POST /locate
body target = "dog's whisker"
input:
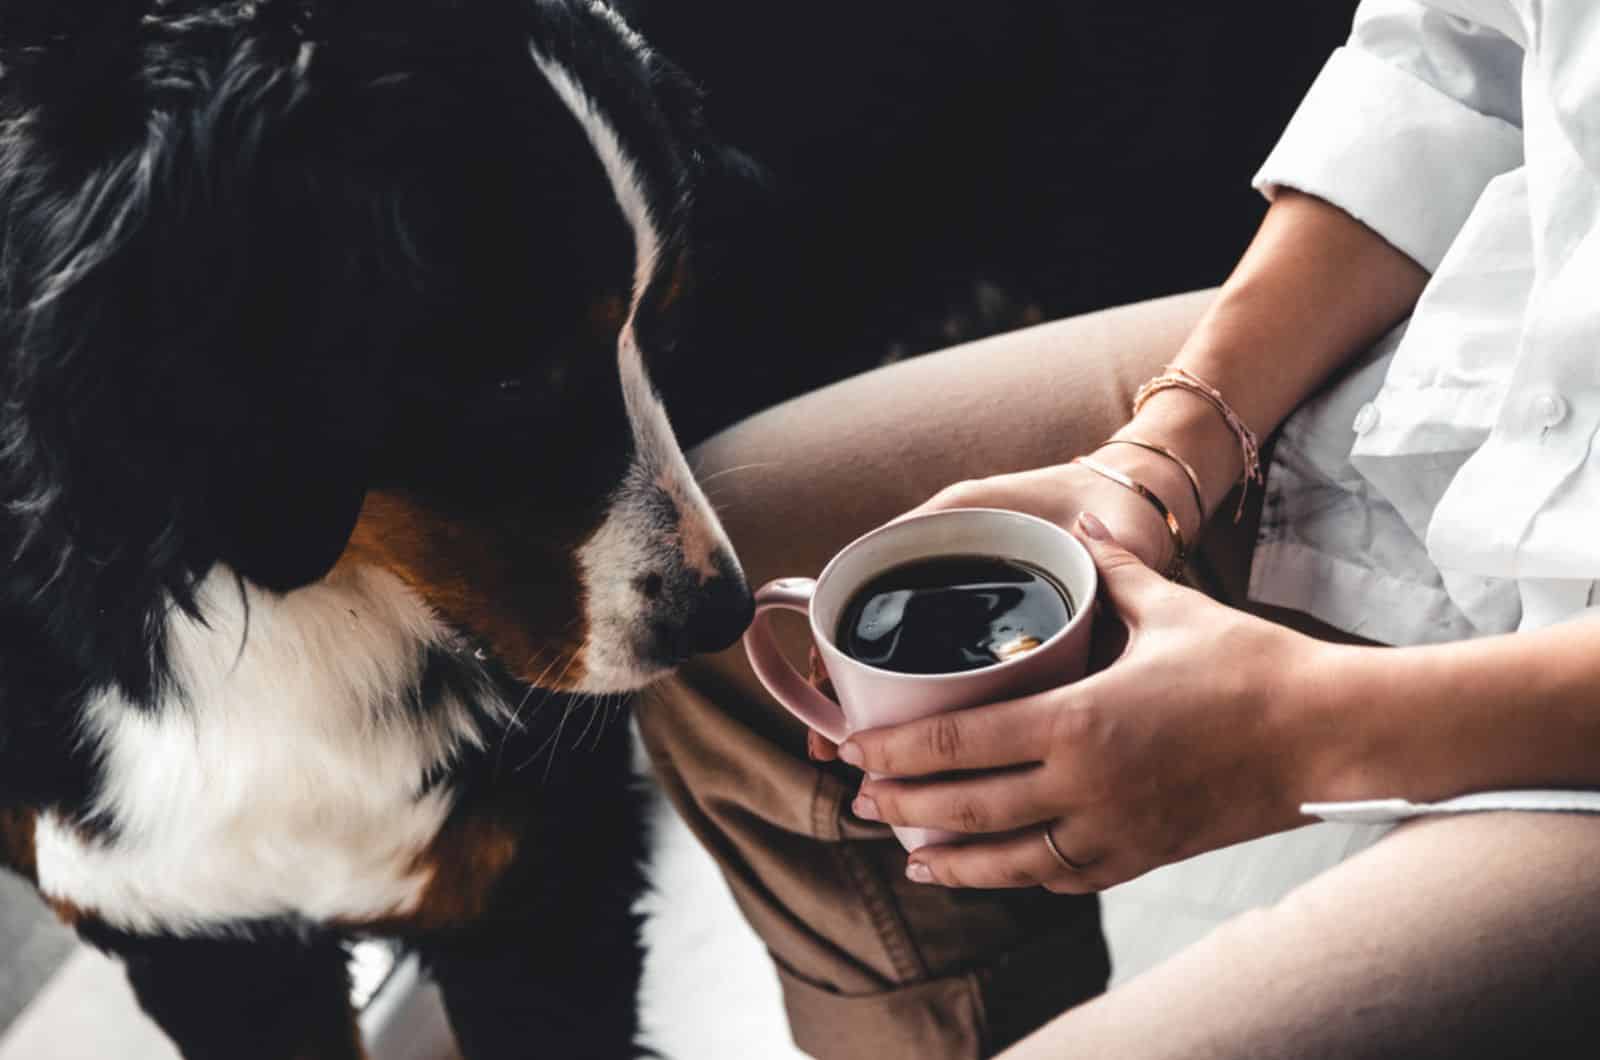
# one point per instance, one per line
(537, 751)
(549, 693)
(595, 711)
(723, 510)
(518, 722)
(549, 762)
(711, 495)
(515, 723)
(614, 708)
(537, 682)
(734, 470)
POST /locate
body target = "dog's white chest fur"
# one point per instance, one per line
(285, 779)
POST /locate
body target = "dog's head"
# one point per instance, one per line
(290, 285)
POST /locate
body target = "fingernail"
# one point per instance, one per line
(1093, 528)
(852, 754)
(866, 809)
(917, 872)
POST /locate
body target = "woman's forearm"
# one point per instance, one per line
(1515, 711)
(1314, 288)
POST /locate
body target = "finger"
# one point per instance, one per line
(1129, 584)
(1009, 862)
(819, 747)
(989, 802)
(1002, 734)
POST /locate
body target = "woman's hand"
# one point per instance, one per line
(1186, 743)
(1060, 494)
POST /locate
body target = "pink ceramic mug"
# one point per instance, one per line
(871, 698)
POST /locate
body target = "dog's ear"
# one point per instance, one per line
(284, 507)
(735, 191)
(287, 466)
(731, 189)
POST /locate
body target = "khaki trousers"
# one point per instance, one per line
(876, 968)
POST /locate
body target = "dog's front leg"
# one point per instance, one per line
(532, 994)
(283, 999)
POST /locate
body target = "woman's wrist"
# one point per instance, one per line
(1363, 717)
(1192, 428)
(1316, 712)
(1432, 722)
(1199, 441)
(1162, 478)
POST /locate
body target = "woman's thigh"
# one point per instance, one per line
(796, 483)
(1470, 936)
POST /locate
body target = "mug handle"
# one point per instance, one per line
(774, 671)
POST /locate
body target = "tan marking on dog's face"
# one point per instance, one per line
(698, 540)
(511, 580)
(17, 842)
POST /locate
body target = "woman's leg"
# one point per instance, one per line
(875, 967)
(1451, 938)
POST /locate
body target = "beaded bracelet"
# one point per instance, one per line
(1179, 551)
(1174, 378)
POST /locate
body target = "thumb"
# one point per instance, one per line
(1128, 581)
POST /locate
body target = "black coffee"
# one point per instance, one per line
(952, 613)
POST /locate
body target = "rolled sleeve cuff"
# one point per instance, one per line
(1392, 151)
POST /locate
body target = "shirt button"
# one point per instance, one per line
(1549, 409)
(1366, 419)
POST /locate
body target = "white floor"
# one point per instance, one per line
(710, 990)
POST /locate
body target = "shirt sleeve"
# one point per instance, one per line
(1406, 125)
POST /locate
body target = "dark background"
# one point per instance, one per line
(938, 170)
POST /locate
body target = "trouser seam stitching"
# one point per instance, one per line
(909, 966)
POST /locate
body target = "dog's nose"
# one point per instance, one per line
(722, 611)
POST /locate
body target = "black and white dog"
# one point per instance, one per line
(329, 437)
(337, 493)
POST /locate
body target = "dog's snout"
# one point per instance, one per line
(697, 616)
(722, 611)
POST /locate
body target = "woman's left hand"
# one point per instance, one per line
(1191, 740)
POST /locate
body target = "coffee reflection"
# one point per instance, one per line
(951, 614)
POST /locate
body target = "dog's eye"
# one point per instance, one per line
(509, 389)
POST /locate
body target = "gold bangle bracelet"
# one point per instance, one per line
(1175, 568)
(1183, 465)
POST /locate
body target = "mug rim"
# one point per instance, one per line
(1080, 614)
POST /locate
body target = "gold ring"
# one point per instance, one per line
(1055, 852)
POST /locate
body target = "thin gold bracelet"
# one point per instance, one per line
(1175, 568)
(1183, 465)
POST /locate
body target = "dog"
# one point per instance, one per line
(330, 454)
(342, 510)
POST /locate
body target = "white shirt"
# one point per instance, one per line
(1444, 487)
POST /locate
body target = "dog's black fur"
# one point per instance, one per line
(236, 300)
(238, 236)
